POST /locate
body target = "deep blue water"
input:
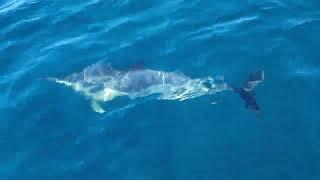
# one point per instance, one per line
(49, 132)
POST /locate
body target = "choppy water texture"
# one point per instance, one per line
(51, 132)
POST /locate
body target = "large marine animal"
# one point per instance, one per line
(101, 83)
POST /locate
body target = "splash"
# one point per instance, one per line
(102, 83)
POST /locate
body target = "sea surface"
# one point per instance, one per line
(49, 132)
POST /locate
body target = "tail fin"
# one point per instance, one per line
(246, 90)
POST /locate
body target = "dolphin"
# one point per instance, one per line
(101, 83)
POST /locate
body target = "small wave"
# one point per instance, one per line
(20, 23)
(306, 71)
(220, 28)
(11, 5)
(296, 69)
(118, 112)
(121, 3)
(154, 29)
(296, 22)
(65, 41)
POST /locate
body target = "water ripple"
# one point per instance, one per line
(220, 28)
(18, 25)
(10, 5)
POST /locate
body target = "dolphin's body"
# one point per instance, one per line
(101, 83)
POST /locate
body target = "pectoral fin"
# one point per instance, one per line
(97, 107)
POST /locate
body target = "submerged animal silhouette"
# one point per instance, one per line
(101, 83)
(246, 90)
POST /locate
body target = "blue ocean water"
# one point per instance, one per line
(49, 132)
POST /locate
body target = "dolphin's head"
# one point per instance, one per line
(93, 91)
(77, 86)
